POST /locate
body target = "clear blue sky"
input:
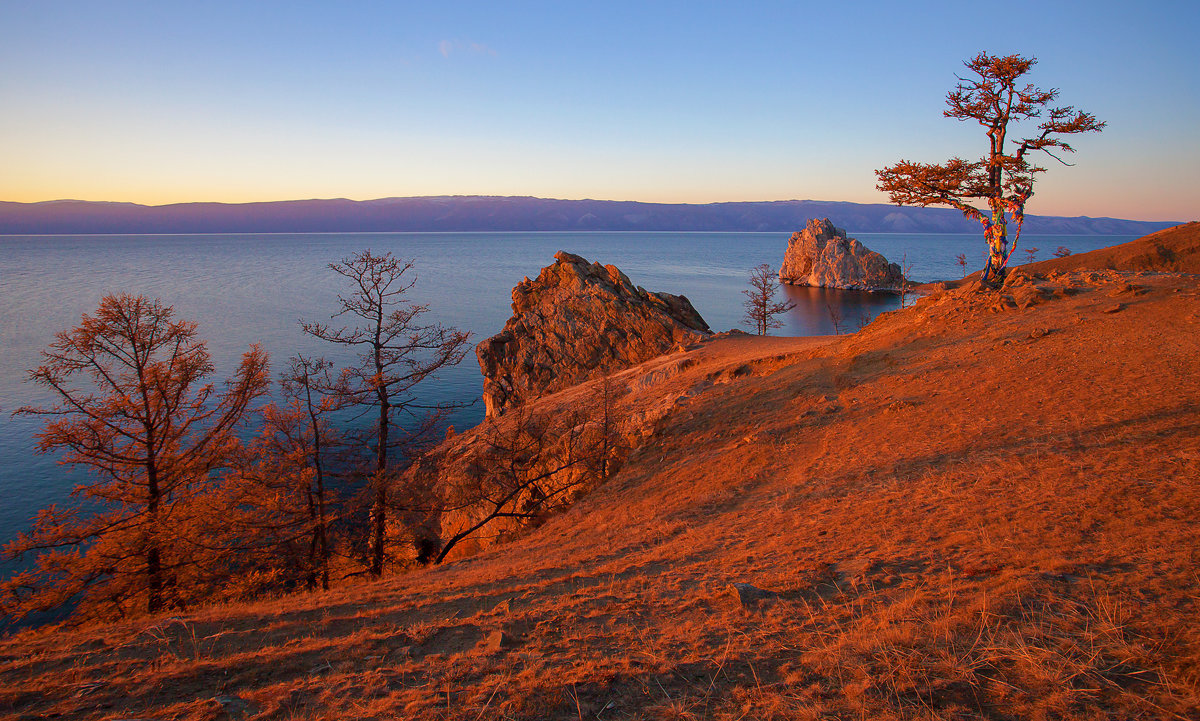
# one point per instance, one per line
(157, 102)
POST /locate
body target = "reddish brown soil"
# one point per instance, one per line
(983, 506)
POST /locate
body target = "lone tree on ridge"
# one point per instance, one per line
(761, 306)
(1002, 180)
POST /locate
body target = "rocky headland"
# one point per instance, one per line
(822, 256)
(576, 321)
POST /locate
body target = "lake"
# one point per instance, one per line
(254, 288)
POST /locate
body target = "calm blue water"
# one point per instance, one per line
(244, 289)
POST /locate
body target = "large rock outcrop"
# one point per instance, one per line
(822, 256)
(576, 321)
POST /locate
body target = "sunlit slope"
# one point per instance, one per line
(1174, 250)
(983, 505)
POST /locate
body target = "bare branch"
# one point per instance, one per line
(396, 352)
(761, 307)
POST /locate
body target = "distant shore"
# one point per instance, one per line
(511, 214)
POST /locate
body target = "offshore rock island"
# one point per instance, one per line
(822, 256)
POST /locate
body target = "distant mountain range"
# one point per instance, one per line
(491, 213)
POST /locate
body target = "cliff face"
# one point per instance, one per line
(577, 321)
(822, 256)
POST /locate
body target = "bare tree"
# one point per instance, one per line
(761, 306)
(529, 467)
(277, 512)
(835, 317)
(307, 383)
(133, 409)
(1003, 180)
(1062, 252)
(607, 441)
(1031, 254)
(396, 352)
(961, 259)
(905, 282)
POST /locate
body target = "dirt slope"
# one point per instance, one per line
(1174, 250)
(983, 506)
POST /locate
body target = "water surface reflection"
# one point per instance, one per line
(817, 308)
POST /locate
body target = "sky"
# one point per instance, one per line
(162, 102)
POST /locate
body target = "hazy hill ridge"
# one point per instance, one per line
(494, 213)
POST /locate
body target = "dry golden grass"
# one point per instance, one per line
(968, 510)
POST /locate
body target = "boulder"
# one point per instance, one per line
(822, 256)
(576, 321)
(748, 596)
(496, 641)
(232, 708)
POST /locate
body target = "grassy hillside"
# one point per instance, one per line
(1174, 250)
(985, 505)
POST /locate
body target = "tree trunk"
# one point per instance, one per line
(310, 580)
(997, 237)
(378, 527)
(379, 506)
(321, 535)
(154, 582)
